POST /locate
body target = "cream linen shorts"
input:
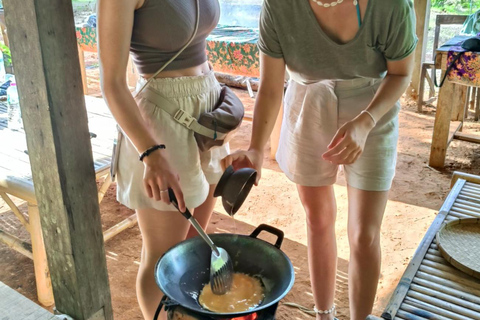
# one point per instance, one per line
(312, 115)
(197, 170)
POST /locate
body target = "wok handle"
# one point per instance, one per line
(160, 307)
(276, 232)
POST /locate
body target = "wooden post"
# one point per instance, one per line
(459, 102)
(441, 128)
(44, 49)
(81, 59)
(422, 13)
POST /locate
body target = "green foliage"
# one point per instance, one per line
(7, 56)
(456, 6)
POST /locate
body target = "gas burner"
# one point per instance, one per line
(177, 312)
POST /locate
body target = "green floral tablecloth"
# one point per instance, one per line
(87, 38)
(231, 50)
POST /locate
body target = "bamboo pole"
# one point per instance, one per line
(447, 283)
(469, 206)
(435, 258)
(450, 291)
(450, 276)
(472, 190)
(473, 181)
(466, 212)
(403, 315)
(103, 189)
(444, 267)
(469, 203)
(434, 252)
(472, 187)
(465, 176)
(42, 274)
(413, 308)
(16, 244)
(465, 307)
(455, 215)
(469, 197)
(461, 312)
(116, 229)
(15, 210)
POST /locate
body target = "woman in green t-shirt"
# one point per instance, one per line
(349, 62)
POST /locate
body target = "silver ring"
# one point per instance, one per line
(166, 190)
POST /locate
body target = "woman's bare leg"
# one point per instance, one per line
(203, 213)
(321, 209)
(365, 214)
(160, 231)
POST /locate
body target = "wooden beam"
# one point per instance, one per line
(467, 137)
(15, 210)
(465, 176)
(44, 48)
(459, 100)
(119, 227)
(16, 244)
(83, 70)
(441, 127)
(422, 13)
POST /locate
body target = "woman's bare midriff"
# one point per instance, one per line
(199, 70)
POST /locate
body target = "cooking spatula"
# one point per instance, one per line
(221, 266)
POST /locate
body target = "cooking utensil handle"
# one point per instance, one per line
(193, 222)
(276, 232)
(173, 200)
(205, 237)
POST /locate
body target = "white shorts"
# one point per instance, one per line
(313, 114)
(197, 170)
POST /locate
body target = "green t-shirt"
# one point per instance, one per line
(289, 30)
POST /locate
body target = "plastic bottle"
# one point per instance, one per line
(14, 113)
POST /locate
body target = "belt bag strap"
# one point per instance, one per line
(179, 115)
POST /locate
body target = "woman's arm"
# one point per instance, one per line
(115, 24)
(349, 141)
(269, 100)
(267, 106)
(392, 87)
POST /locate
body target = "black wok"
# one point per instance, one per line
(184, 270)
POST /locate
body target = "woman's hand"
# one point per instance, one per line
(245, 159)
(348, 143)
(159, 176)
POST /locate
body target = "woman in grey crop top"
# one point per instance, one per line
(349, 62)
(153, 31)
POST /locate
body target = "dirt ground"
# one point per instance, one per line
(417, 193)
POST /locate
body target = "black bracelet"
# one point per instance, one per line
(150, 150)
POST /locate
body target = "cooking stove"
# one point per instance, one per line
(177, 312)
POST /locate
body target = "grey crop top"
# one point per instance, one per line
(162, 27)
